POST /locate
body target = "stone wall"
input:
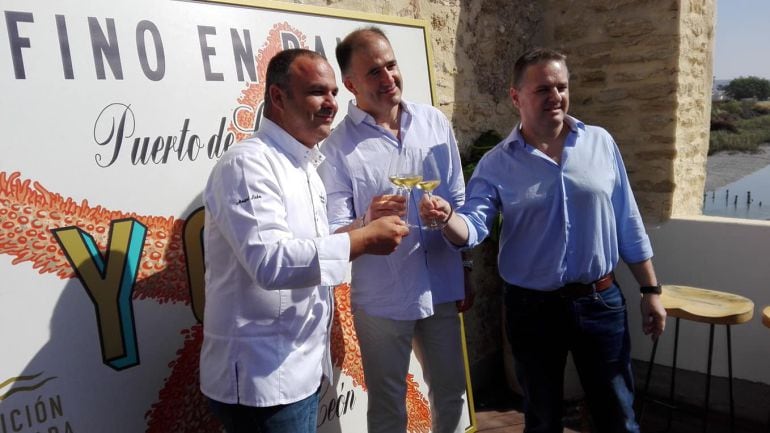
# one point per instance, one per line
(642, 69)
(696, 61)
(490, 35)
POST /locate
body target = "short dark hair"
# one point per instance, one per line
(352, 42)
(278, 70)
(533, 57)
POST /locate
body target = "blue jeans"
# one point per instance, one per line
(543, 327)
(297, 417)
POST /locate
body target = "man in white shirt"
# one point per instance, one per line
(413, 295)
(270, 260)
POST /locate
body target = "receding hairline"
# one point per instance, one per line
(356, 41)
(357, 37)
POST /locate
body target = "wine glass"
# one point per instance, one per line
(405, 171)
(431, 179)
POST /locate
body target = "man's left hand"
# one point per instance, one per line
(653, 315)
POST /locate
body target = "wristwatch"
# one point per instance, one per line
(468, 264)
(656, 289)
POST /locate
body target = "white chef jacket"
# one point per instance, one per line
(270, 265)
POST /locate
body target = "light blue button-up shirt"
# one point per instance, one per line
(422, 271)
(561, 223)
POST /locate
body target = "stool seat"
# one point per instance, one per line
(707, 306)
(766, 316)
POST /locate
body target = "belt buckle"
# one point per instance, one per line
(590, 289)
(576, 290)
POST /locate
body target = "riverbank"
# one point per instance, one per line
(726, 167)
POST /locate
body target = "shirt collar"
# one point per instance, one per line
(358, 115)
(516, 141)
(301, 153)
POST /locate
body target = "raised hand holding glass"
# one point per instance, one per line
(431, 179)
(405, 171)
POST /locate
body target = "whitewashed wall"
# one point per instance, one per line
(723, 254)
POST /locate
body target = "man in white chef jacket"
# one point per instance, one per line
(271, 262)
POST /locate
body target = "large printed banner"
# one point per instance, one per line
(112, 115)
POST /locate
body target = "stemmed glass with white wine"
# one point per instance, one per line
(405, 171)
(431, 179)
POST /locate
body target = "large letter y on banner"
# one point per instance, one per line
(109, 282)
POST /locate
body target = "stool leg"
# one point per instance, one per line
(647, 380)
(730, 374)
(673, 376)
(708, 378)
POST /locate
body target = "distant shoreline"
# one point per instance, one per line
(724, 168)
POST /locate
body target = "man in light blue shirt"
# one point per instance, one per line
(568, 216)
(410, 296)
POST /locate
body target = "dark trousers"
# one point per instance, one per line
(543, 327)
(297, 417)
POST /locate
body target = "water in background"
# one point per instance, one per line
(748, 198)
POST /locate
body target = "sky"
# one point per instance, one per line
(741, 46)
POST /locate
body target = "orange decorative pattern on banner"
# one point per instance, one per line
(346, 354)
(26, 217)
(181, 407)
(28, 213)
(417, 409)
(254, 93)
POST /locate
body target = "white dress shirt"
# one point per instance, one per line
(423, 271)
(270, 262)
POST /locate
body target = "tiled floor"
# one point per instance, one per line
(502, 421)
(499, 421)
(510, 420)
(500, 412)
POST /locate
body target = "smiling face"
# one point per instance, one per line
(307, 106)
(542, 97)
(373, 76)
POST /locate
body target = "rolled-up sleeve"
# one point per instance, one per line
(481, 206)
(633, 243)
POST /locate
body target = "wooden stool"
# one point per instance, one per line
(705, 306)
